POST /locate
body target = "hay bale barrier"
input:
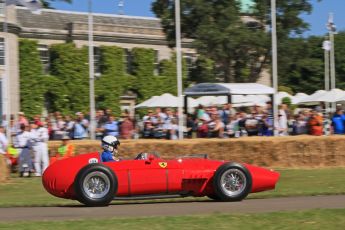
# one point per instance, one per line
(4, 171)
(286, 152)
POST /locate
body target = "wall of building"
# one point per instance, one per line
(12, 59)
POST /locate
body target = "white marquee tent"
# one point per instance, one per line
(313, 97)
(299, 97)
(166, 100)
(333, 95)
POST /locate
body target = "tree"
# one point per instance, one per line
(203, 71)
(219, 34)
(301, 65)
(285, 89)
(339, 44)
(289, 21)
(240, 51)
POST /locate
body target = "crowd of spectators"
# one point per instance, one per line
(228, 122)
(206, 122)
(76, 127)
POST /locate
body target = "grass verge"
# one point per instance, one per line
(293, 182)
(306, 220)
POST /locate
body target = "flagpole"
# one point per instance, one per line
(179, 67)
(91, 75)
(332, 62)
(326, 48)
(274, 64)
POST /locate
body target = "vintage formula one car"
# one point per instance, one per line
(94, 183)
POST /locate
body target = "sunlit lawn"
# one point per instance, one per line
(306, 220)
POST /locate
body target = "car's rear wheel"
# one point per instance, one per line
(232, 182)
(95, 185)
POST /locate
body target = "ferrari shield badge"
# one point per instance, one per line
(163, 164)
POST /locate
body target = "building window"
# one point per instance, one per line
(2, 51)
(128, 61)
(156, 63)
(97, 60)
(2, 7)
(44, 56)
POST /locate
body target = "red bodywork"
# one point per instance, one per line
(192, 176)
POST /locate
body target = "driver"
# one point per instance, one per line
(109, 145)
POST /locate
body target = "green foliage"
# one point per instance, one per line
(67, 88)
(301, 65)
(143, 70)
(110, 85)
(203, 71)
(286, 100)
(167, 82)
(167, 79)
(240, 51)
(282, 88)
(218, 34)
(339, 41)
(32, 86)
(289, 21)
(56, 94)
(70, 65)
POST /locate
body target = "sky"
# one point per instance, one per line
(317, 19)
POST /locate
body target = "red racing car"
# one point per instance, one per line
(94, 183)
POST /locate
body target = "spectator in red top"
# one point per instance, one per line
(127, 127)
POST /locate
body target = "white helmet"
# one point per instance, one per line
(110, 143)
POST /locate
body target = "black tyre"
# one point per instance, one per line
(232, 182)
(95, 185)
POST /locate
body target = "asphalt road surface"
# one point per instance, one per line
(172, 208)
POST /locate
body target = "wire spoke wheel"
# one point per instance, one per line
(96, 185)
(233, 182)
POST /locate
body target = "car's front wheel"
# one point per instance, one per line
(232, 182)
(95, 185)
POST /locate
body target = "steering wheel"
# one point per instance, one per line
(142, 156)
(145, 156)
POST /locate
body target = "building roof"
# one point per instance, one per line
(228, 89)
(58, 20)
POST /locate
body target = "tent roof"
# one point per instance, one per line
(203, 89)
(333, 95)
(312, 98)
(166, 100)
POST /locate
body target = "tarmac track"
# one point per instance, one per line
(172, 208)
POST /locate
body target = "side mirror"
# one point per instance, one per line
(151, 157)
